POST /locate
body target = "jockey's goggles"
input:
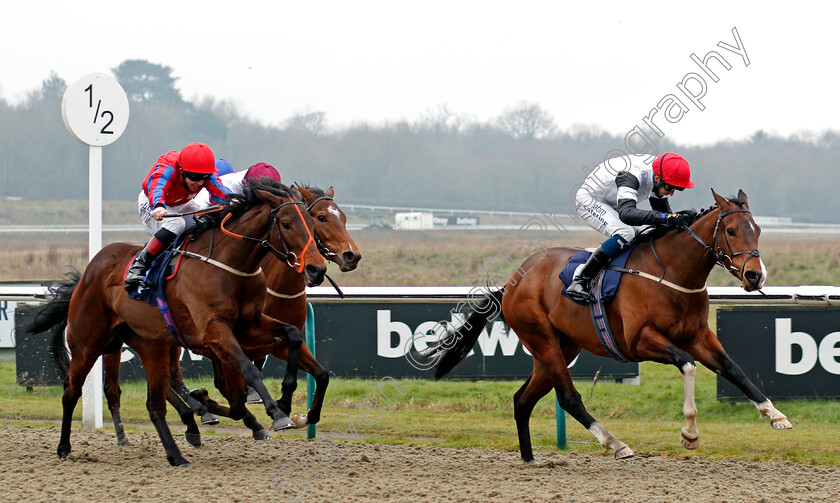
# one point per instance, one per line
(198, 177)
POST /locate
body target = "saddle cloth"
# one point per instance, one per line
(611, 278)
(162, 269)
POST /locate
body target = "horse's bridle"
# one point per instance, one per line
(322, 249)
(717, 251)
(290, 257)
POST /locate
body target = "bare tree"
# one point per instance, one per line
(50, 94)
(308, 121)
(441, 120)
(527, 120)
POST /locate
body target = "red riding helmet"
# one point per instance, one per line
(260, 170)
(198, 158)
(673, 170)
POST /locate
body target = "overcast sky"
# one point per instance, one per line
(607, 63)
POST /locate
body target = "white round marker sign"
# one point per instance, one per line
(95, 109)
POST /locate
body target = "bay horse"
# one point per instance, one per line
(286, 301)
(212, 300)
(664, 320)
(287, 294)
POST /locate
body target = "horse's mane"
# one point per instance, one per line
(315, 190)
(238, 204)
(656, 232)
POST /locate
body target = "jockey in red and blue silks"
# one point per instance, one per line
(170, 187)
(164, 185)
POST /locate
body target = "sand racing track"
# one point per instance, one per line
(236, 468)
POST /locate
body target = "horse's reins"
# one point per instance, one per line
(207, 259)
(326, 252)
(264, 242)
(298, 263)
(716, 252)
(323, 250)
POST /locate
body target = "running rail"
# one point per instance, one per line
(809, 295)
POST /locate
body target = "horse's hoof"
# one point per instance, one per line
(63, 451)
(283, 423)
(209, 419)
(253, 396)
(194, 439)
(178, 462)
(123, 442)
(624, 453)
(261, 435)
(781, 423)
(300, 420)
(689, 443)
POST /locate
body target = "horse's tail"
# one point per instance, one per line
(457, 344)
(53, 316)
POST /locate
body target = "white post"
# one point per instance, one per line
(95, 111)
(92, 389)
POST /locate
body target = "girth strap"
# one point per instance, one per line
(599, 319)
(169, 321)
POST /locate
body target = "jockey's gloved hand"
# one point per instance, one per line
(679, 219)
(690, 212)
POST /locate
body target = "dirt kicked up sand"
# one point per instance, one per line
(236, 468)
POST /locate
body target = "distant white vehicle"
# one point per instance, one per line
(414, 221)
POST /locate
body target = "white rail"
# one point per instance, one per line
(809, 295)
(795, 295)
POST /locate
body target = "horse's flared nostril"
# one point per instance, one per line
(753, 279)
(315, 274)
(351, 258)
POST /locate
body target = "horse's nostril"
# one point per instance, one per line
(350, 257)
(753, 277)
(314, 274)
(312, 270)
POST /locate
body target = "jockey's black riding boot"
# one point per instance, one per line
(579, 288)
(159, 242)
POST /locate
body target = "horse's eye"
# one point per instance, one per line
(322, 218)
(730, 231)
(287, 225)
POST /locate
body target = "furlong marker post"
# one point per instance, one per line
(95, 111)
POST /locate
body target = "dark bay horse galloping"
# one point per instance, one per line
(286, 301)
(218, 294)
(287, 295)
(663, 321)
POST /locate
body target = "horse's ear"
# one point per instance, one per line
(264, 195)
(721, 201)
(742, 196)
(308, 196)
(330, 192)
(295, 190)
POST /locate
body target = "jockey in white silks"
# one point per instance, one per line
(607, 202)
